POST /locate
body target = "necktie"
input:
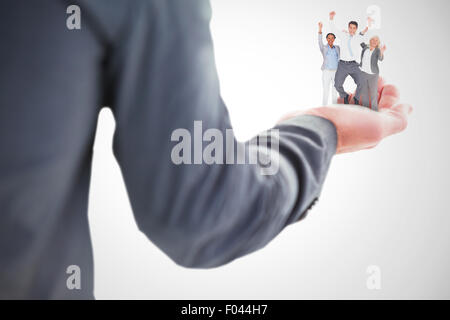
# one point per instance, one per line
(350, 46)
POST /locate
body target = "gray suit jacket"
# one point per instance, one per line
(324, 50)
(376, 56)
(152, 63)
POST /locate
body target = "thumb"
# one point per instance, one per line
(395, 119)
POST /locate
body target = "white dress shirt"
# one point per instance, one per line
(367, 61)
(350, 45)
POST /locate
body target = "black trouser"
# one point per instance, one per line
(345, 69)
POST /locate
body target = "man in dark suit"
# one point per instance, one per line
(152, 63)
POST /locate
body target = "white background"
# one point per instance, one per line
(386, 207)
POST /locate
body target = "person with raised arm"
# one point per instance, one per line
(370, 56)
(330, 54)
(349, 58)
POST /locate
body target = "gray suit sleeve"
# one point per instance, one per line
(200, 215)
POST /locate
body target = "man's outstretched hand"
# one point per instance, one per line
(360, 128)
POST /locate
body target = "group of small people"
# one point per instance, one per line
(353, 58)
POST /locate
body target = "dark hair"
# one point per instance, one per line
(331, 34)
(353, 23)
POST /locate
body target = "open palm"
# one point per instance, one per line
(360, 128)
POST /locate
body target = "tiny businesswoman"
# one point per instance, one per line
(370, 56)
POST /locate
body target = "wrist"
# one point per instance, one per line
(314, 120)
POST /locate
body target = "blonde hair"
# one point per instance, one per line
(379, 41)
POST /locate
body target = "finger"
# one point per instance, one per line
(350, 98)
(353, 149)
(395, 119)
(402, 109)
(381, 84)
(389, 97)
(360, 99)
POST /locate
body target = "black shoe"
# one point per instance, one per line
(346, 100)
(356, 101)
